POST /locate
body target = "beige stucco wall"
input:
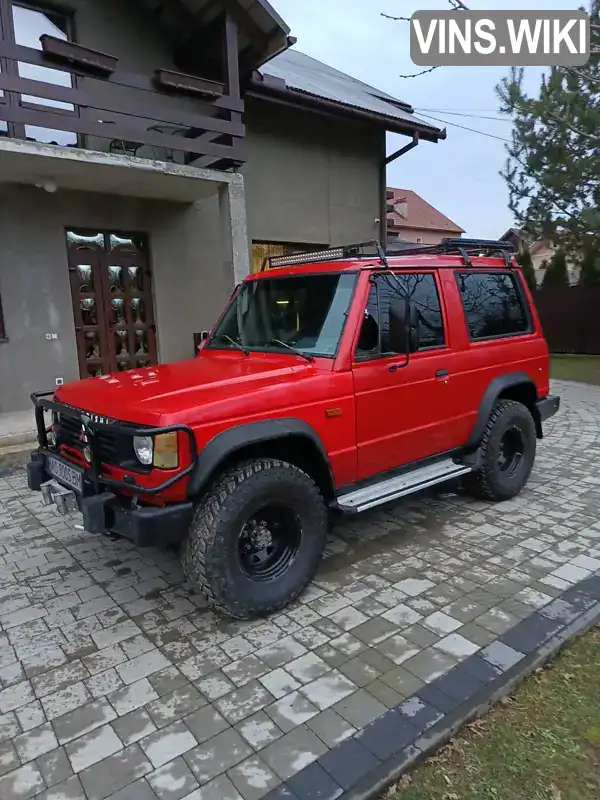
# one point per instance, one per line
(310, 178)
(190, 280)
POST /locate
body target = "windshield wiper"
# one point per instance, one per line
(239, 346)
(278, 342)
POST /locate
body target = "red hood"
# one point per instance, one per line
(163, 394)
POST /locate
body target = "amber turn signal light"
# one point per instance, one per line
(166, 451)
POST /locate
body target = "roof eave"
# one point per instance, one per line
(304, 99)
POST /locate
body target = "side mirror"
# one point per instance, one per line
(404, 326)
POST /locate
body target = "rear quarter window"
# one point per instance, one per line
(494, 305)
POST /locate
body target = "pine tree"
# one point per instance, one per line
(590, 267)
(553, 167)
(523, 259)
(557, 273)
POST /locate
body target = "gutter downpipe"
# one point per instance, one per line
(383, 179)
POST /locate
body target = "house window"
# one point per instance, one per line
(419, 241)
(30, 22)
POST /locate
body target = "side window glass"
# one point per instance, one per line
(368, 342)
(493, 305)
(423, 294)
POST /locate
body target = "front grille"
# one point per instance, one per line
(113, 448)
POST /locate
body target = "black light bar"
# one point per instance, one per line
(330, 254)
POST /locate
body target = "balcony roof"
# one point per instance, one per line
(262, 33)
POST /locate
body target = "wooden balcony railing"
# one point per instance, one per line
(166, 115)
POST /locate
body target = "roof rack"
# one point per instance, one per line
(466, 248)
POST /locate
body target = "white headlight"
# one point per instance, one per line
(143, 447)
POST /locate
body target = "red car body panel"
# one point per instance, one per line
(369, 418)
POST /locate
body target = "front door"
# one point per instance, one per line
(111, 290)
(402, 410)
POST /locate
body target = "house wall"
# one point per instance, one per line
(310, 178)
(189, 280)
(426, 236)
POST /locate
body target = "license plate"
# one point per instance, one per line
(65, 473)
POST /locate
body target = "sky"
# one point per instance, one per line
(460, 175)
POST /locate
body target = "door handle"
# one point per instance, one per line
(441, 373)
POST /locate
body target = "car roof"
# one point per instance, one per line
(430, 261)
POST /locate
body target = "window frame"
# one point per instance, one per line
(373, 280)
(517, 283)
(11, 67)
(3, 336)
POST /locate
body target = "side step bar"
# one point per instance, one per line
(401, 485)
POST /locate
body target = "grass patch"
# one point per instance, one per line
(541, 744)
(585, 369)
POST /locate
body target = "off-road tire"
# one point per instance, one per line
(210, 558)
(489, 482)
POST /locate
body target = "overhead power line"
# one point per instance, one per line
(465, 128)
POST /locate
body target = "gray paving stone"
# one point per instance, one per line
(9, 759)
(55, 766)
(330, 727)
(65, 700)
(35, 742)
(328, 690)
(82, 720)
(9, 726)
(71, 789)
(59, 678)
(168, 743)
(253, 778)
(167, 681)
(175, 705)
(205, 723)
(172, 781)
(131, 697)
(134, 726)
(141, 666)
(220, 788)
(245, 670)
(293, 752)
(244, 702)
(21, 783)
(106, 777)
(291, 711)
(16, 697)
(211, 759)
(429, 664)
(139, 790)
(259, 730)
(360, 708)
(92, 747)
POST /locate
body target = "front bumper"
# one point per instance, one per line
(145, 526)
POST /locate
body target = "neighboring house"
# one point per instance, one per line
(149, 148)
(541, 251)
(414, 219)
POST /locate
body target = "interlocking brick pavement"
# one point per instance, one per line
(116, 682)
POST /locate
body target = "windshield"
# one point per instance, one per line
(306, 313)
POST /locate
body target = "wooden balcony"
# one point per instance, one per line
(91, 103)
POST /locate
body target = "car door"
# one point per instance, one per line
(400, 407)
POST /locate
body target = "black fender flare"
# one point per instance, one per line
(226, 443)
(491, 395)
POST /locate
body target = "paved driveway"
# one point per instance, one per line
(116, 682)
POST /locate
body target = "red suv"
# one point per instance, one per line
(338, 380)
